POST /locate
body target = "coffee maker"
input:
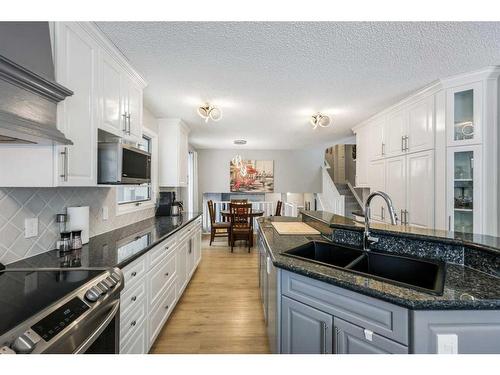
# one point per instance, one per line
(167, 205)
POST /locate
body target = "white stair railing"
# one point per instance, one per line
(291, 209)
(330, 198)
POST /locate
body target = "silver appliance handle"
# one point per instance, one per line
(128, 121)
(90, 340)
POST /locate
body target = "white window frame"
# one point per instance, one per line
(126, 208)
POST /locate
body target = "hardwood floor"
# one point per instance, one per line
(220, 311)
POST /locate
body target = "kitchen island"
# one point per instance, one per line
(322, 309)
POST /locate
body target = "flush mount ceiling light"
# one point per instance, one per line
(209, 112)
(319, 119)
(240, 142)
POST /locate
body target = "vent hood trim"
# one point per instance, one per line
(26, 79)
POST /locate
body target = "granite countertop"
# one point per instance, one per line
(116, 248)
(483, 242)
(464, 288)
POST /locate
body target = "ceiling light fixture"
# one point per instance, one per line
(240, 142)
(319, 119)
(209, 112)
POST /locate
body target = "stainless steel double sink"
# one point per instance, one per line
(422, 275)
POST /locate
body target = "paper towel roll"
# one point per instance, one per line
(78, 219)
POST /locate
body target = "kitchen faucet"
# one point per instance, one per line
(367, 238)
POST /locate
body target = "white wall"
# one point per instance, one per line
(294, 170)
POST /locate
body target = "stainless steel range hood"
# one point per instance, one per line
(28, 91)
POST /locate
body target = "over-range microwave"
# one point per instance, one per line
(120, 163)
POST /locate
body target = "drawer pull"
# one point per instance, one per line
(166, 307)
(134, 298)
(133, 323)
(167, 274)
(133, 274)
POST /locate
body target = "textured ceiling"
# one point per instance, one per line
(269, 77)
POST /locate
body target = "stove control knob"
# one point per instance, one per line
(110, 282)
(104, 288)
(6, 350)
(25, 343)
(115, 277)
(92, 295)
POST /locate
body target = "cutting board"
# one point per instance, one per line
(294, 228)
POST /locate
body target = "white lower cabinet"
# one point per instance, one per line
(153, 285)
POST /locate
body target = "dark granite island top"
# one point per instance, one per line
(465, 288)
(116, 248)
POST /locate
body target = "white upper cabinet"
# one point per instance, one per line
(173, 152)
(376, 146)
(395, 131)
(121, 101)
(420, 132)
(362, 158)
(464, 105)
(76, 68)
(134, 112)
(112, 119)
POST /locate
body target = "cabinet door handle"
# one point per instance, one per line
(124, 115)
(402, 143)
(65, 173)
(383, 148)
(325, 329)
(402, 217)
(166, 307)
(382, 213)
(406, 143)
(167, 274)
(337, 342)
(133, 274)
(133, 298)
(406, 217)
(128, 121)
(449, 223)
(133, 323)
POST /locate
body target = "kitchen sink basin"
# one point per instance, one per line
(325, 253)
(422, 275)
(426, 276)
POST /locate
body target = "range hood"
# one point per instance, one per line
(28, 91)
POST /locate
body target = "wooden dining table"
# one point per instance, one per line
(226, 215)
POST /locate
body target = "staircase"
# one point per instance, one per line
(350, 203)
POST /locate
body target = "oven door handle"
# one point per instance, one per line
(90, 340)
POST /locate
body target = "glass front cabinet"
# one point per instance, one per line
(464, 114)
(464, 204)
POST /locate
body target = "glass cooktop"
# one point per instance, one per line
(23, 294)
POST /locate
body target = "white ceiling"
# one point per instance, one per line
(268, 78)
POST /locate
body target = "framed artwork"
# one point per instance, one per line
(251, 176)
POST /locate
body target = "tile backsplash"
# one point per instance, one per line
(18, 204)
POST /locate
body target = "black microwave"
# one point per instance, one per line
(120, 163)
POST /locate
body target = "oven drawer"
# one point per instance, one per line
(160, 313)
(136, 343)
(160, 278)
(131, 320)
(134, 296)
(133, 272)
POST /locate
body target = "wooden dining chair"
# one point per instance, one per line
(217, 229)
(279, 204)
(241, 224)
